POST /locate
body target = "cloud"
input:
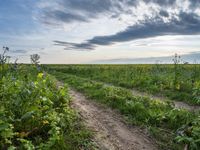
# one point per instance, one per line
(59, 12)
(56, 12)
(183, 24)
(57, 16)
(88, 6)
(18, 51)
(162, 2)
(146, 18)
(194, 3)
(71, 46)
(68, 11)
(164, 13)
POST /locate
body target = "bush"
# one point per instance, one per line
(35, 114)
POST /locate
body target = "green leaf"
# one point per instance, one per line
(4, 126)
(12, 148)
(27, 115)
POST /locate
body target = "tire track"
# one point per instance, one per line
(111, 133)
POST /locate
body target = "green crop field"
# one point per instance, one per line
(178, 82)
(112, 84)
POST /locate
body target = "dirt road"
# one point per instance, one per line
(111, 133)
(177, 104)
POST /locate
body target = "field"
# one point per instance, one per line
(112, 85)
(178, 82)
(37, 111)
(100, 75)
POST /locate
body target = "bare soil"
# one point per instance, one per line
(177, 104)
(111, 132)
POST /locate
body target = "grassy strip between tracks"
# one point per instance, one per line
(172, 128)
(177, 82)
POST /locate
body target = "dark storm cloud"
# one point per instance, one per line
(73, 11)
(94, 6)
(71, 46)
(84, 10)
(164, 13)
(57, 16)
(161, 22)
(194, 3)
(161, 2)
(186, 24)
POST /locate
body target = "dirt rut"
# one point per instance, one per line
(111, 133)
(177, 104)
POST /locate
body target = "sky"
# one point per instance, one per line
(100, 31)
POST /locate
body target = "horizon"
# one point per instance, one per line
(101, 31)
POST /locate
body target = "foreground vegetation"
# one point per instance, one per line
(35, 113)
(173, 128)
(178, 81)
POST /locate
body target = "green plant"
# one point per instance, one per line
(190, 135)
(196, 92)
(177, 72)
(35, 113)
(157, 115)
(155, 79)
(35, 59)
(3, 60)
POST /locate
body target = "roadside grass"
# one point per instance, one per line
(36, 114)
(165, 123)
